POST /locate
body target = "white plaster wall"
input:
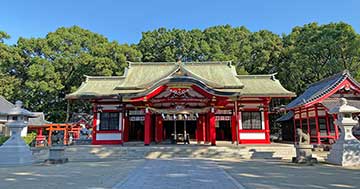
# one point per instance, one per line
(252, 136)
(108, 136)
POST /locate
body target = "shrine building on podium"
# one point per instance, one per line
(169, 101)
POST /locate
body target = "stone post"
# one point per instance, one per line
(346, 150)
(14, 151)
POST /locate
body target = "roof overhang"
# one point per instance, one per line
(183, 80)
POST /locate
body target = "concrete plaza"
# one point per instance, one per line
(175, 172)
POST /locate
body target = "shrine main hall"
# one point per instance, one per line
(161, 102)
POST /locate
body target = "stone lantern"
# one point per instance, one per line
(346, 150)
(15, 151)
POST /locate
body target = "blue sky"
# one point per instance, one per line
(125, 20)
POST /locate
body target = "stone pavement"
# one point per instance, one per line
(278, 174)
(107, 171)
(74, 175)
(179, 173)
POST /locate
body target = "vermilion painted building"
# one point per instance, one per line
(309, 111)
(158, 102)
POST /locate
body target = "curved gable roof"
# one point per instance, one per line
(142, 75)
(217, 76)
(321, 88)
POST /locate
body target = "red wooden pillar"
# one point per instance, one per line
(200, 129)
(308, 121)
(158, 129)
(212, 129)
(207, 128)
(267, 124)
(233, 128)
(317, 125)
(39, 131)
(147, 128)
(95, 118)
(204, 123)
(126, 128)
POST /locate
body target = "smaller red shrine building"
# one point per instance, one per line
(309, 111)
(157, 102)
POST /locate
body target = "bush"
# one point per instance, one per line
(28, 138)
(3, 139)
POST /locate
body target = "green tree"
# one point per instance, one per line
(212, 44)
(54, 66)
(9, 85)
(313, 52)
(264, 53)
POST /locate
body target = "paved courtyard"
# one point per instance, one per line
(277, 174)
(179, 173)
(74, 175)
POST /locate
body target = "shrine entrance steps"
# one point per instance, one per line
(137, 151)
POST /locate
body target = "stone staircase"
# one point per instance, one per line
(98, 152)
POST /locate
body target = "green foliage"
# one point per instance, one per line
(3, 139)
(48, 68)
(41, 71)
(211, 44)
(313, 52)
(30, 137)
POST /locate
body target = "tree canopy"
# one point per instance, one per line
(41, 71)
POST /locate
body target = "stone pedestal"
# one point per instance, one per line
(346, 150)
(57, 155)
(15, 151)
(304, 154)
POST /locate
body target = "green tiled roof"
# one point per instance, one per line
(97, 86)
(256, 85)
(215, 74)
(140, 77)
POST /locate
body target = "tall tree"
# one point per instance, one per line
(211, 44)
(313, 52)
(264, 49)
(54, 66)
(9, 85)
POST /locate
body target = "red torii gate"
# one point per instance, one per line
(67, 128)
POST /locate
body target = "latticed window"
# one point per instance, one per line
(251, 120)
(109, 121)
